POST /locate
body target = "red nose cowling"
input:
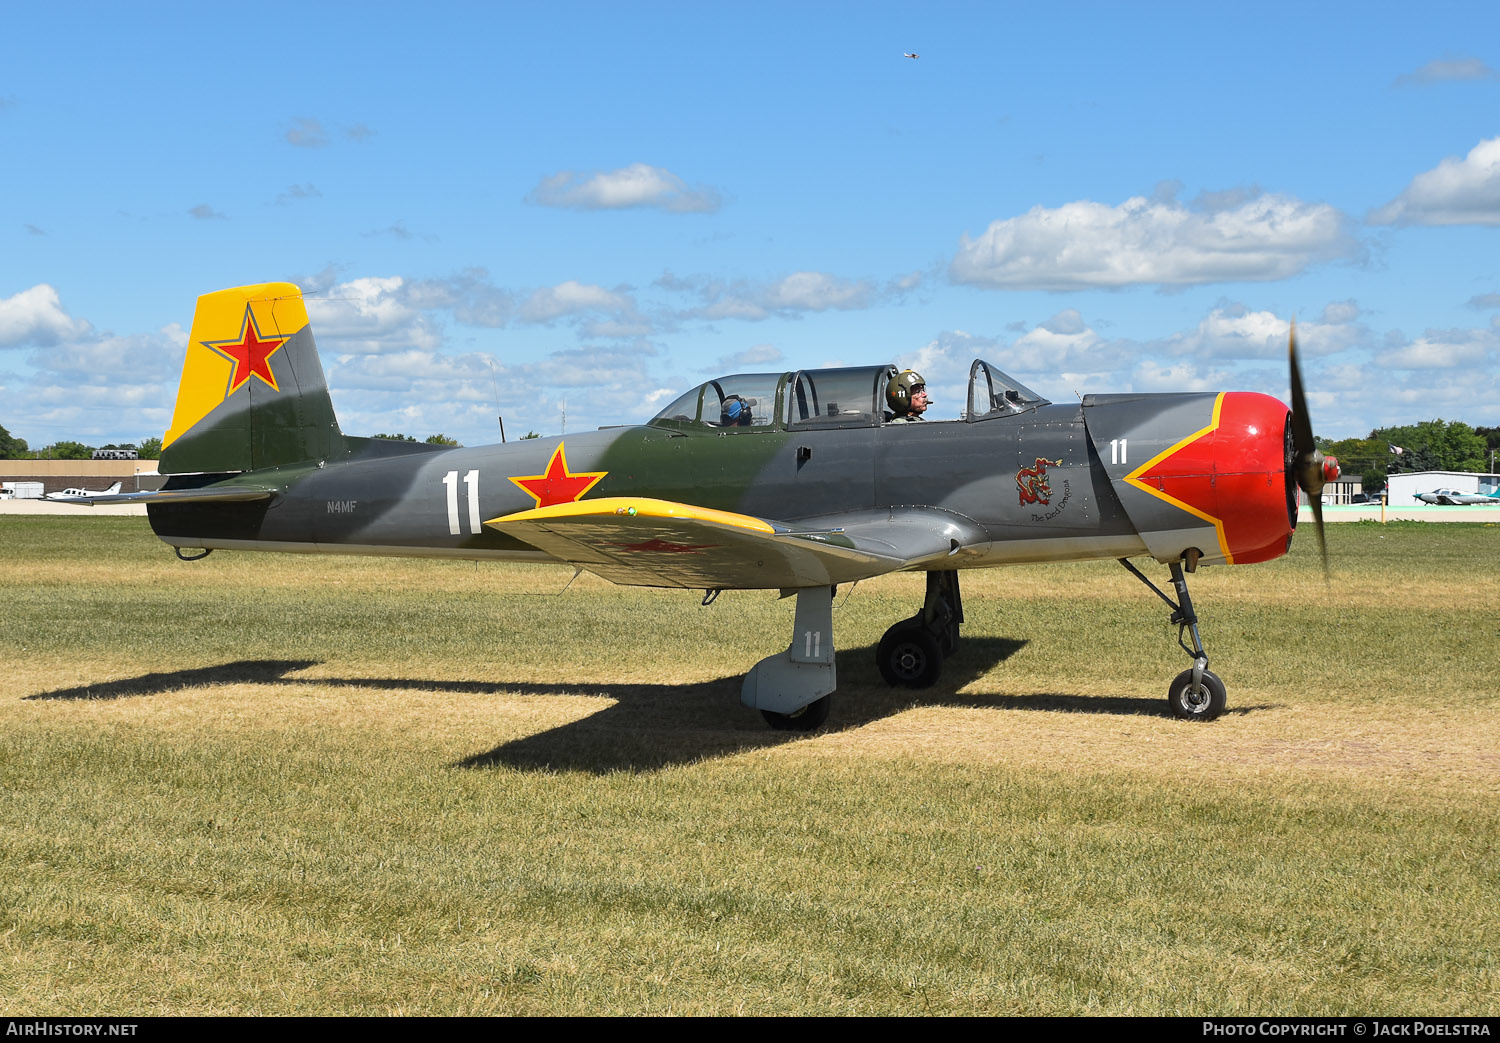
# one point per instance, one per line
(1236, 475)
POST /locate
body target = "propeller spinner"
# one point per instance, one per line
(1311, 468)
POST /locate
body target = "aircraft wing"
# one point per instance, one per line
(637, 541)
(209, 494)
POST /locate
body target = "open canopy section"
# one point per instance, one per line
(993, 394)
(851, 396)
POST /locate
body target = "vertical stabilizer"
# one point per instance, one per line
(252, 393)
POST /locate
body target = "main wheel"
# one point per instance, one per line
(1202, 702)
(807, 719)
(909, 656)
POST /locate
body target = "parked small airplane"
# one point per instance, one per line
(793, 481)
(83, 494)
(1453, 497)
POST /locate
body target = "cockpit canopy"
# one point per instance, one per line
(742, 400)
(836, 397)
(992, 393)
(819, 398)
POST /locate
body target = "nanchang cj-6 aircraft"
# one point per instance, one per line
(789, 481)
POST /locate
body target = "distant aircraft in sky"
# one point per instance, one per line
(1452, 497)
(73, 494)
(908, 54)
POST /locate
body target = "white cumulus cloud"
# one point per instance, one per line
(36, 317)
(1066, 353)
(416, 372)
(1085, 244)
(140, 358)
(1445, 349)
(638, 185)
(787, 297)
(1152, 376)
(1233, 331)
(572, 298)
(371, 316)
(815, 291)
(1455, 192)
(472, 297)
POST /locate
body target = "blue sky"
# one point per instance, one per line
(591, 207)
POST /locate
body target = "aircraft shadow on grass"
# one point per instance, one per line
(249, 671)
(653, 726)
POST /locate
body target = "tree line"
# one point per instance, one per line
(1432, 445)
(13, 448)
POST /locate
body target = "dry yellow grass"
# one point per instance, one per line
(286, 784)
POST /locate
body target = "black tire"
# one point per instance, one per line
(809, 718)
(909, 656)
(1204, 704)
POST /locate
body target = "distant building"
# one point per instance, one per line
(56, 475)
(1342, 490)
(116, 454)
(1402, 489)
(21, 490)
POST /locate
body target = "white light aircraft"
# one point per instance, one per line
(1453, 497)
(74, 494)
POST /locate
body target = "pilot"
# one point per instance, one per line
(735, 412)
(906, 394)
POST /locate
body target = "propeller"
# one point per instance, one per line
(1311, 468)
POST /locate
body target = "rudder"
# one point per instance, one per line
(253, 394)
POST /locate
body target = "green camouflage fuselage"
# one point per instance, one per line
(399, 498)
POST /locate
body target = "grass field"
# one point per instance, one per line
(287, 784)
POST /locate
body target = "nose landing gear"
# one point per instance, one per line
(1196, 694)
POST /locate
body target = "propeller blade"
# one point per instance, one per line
(1312, 469)
(1317, 506)
(1302, 433)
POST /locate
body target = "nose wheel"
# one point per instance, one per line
(1200, 699)
(1196, 694)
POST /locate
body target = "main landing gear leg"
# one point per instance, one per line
(1196, 694)
(911, 653)
(791, 689)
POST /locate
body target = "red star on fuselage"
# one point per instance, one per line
(250, 354)
(557, 484)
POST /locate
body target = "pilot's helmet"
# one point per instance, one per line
(900, 388)
(735, 412)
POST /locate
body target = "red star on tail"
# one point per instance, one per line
(250, 354)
